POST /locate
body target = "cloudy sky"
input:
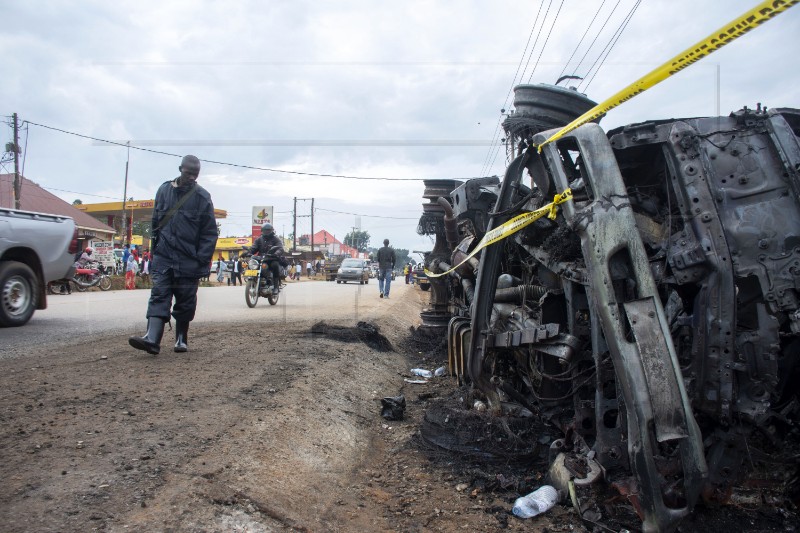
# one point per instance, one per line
(396, 92)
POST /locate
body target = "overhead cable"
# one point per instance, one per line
(510, 89)
(581, 41)
(615, 39)
(225, 163)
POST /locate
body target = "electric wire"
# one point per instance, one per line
(575, 70)
(510, 89)
(495, 150)
(619, 32)
(582, 38)
(552, 26)
(360, 215)
(225, 163)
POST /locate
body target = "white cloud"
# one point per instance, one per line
(215, 74)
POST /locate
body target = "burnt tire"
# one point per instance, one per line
(18, 293)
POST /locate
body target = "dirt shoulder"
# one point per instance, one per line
(273, 429)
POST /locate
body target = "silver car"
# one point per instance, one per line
(353, 270)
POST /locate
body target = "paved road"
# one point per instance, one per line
(122, 312)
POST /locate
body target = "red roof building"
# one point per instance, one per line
(35, 198)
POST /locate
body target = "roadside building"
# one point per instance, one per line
(36, 198)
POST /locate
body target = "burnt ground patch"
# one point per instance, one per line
(365, 332)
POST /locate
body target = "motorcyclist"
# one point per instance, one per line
(86, 257)
(264, 244)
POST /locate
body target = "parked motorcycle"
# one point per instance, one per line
(91, 275)
(256, 284)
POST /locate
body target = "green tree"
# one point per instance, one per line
(142, 227)
(77, 201)
(358, 240)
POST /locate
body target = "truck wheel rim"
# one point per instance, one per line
(16, 296)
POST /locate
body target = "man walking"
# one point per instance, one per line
(386, 260)
(184, 234)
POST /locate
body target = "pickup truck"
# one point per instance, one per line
(35, 248)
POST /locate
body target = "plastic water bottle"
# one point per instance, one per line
(537, 502)
(422, 372)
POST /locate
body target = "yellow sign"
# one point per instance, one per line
(511, 227)
(726, 34)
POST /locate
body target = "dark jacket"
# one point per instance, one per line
(185, 241)
(262, 245)
(386, 258)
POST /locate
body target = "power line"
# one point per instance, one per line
(510, 89)
(552, 26)
(225, 163)
(618, 34)
(575, 71)
(582, 38)
(360, 215)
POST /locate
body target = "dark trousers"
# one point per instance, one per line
(275, 268)
(234, 276)
(166, 286)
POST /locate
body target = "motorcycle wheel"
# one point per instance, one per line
(273, 298)
(251, 293)
(105, 283)
(78, 280)
(53, 287)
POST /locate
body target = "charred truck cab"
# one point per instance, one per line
(656, 321)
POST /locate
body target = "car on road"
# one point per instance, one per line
(353, 270)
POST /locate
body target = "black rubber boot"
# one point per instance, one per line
(151, 342)
(181, 336)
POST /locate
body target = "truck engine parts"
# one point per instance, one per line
(656, 320)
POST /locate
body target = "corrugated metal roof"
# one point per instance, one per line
(35, 198)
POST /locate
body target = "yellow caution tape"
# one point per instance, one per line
(726, 34)
(512, 226)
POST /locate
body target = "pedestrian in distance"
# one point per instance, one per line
(237, 266)
(145, 270)
(386, 259)
(126, 253)
(407, 272)
(184, 234)
(131, 269)
(220, 269)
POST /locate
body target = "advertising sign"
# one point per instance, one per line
(104, 253)
(261, 214)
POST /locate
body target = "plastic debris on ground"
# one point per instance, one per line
(393, 407)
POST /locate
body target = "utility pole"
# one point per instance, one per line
(312, 227)
(294, 226)
(125, 199)
(17, 187)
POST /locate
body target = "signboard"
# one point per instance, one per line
(104, 252)
(261, 215)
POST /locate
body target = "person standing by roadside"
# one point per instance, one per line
(126, 253)
(308, 269)
(236, 271)
(386, 260)
(145, 271)
(407, 271)
(131, 269)
(184, 234)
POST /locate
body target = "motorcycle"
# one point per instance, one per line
(91, 275)
(257, 285)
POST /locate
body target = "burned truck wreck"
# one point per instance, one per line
(655, 321)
